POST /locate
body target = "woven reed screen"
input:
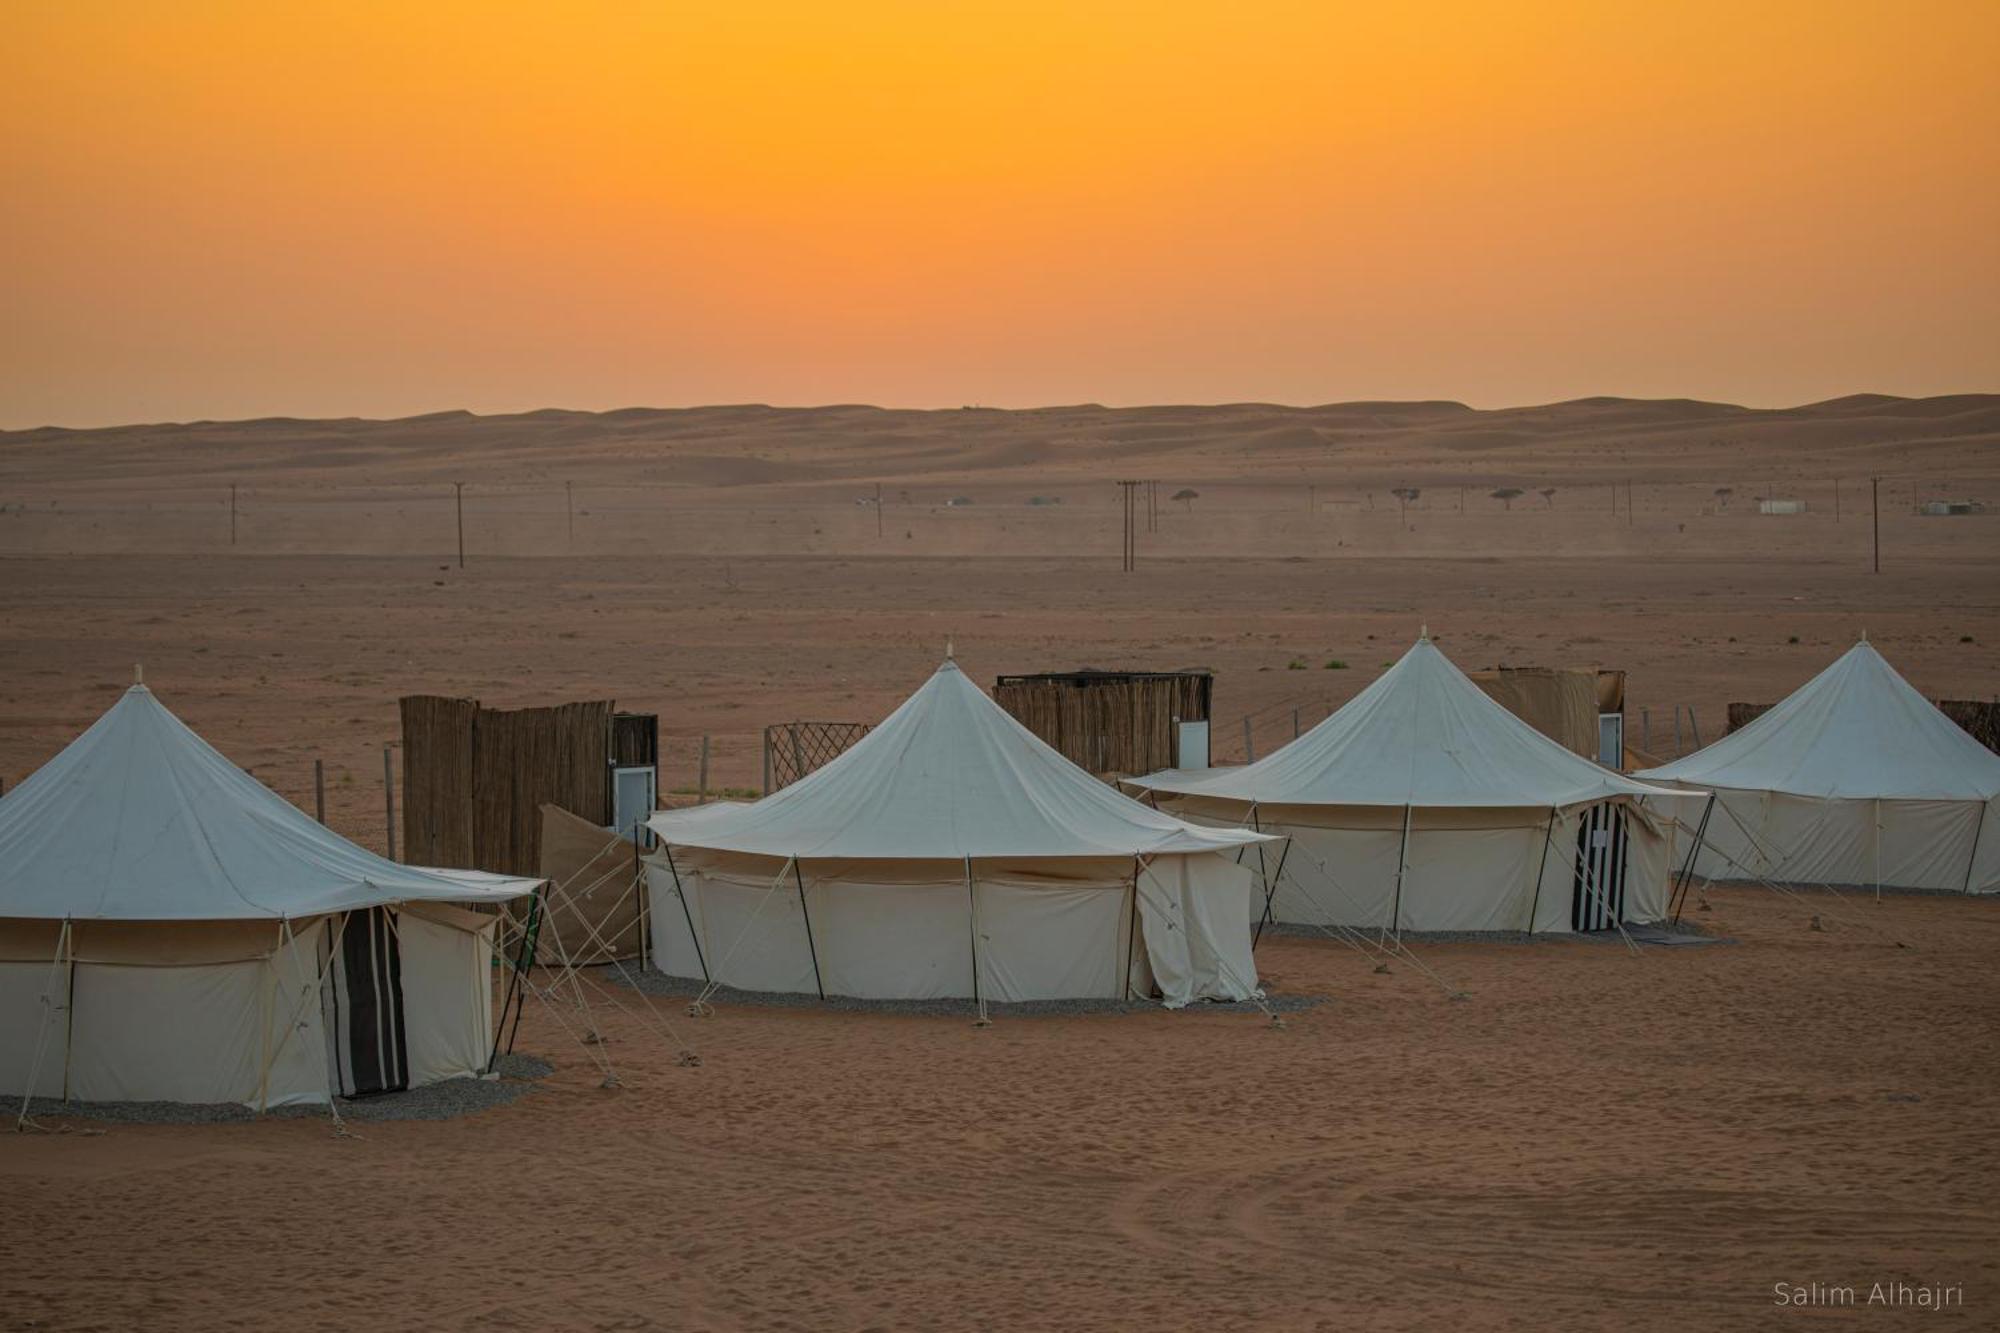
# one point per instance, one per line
(1109, 722)
(475, 779)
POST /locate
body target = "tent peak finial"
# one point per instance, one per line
(1424, 631)
(1864, 636)
(138, 673)
(949, 655)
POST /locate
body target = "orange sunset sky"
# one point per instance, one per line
(241, 209)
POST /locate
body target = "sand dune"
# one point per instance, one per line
(1652, 440)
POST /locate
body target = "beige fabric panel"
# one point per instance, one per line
(447, 997)
(1985, 876)
(1196, 912)
(23, 940)
(895, 929)
(890, 941)
(1803, 840)
(147, 943)
(34, 1008)
(1045, 942)
(1467, 869)
(297, 1048)
(183, 1034)
(590, 874)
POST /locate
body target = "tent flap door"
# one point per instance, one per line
(363, 998)
(1601, 853)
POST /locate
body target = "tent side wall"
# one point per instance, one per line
(1813, 840)
(447, 971)
(905, 930)
(223, 1012)
(1470, 869)
(207, 1012)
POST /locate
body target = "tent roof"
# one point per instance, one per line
(947, 775)
(1857, 730)
(140, 819)
(1421, 735)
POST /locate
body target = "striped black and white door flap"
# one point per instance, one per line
(363, 1007)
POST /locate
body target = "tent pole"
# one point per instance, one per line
(1972, 862)
(972, 907)
(1263, 871)
(21, 1121)
(1270, 884)
(1694, 850)
(1131, 934)
(644, 904)
(69, 1017)
(1541, 870)
(1402, 864)
(681, 894)
(266, 1057)
(1270, 893)
(1878, 851)
(531, 948)
(799, 878)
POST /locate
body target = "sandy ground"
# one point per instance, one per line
(1593, 1140)
(281, 659)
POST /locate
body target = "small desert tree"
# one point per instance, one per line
(1722, 494)
(1549, 493)
(1187, 496)
(1506, 495)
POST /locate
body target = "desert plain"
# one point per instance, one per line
(1591, 1139)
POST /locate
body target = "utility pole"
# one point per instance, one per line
(1875, 513)
(1129, 491)
(319, 790)
(232, 513)
(458, 488)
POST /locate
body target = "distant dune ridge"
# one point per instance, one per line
(755, 445)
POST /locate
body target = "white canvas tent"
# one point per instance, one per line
(172, 930)
(1855, 778)
(1424, 805)
(950, 853)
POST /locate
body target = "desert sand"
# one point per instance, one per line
(1591, 1140)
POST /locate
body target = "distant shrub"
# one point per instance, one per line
(1296, 664)
(1334, 664)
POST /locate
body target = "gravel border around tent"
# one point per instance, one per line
(1687, 932)
(653, 982)
(447, 1100)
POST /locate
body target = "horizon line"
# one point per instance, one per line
(1446, 403)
